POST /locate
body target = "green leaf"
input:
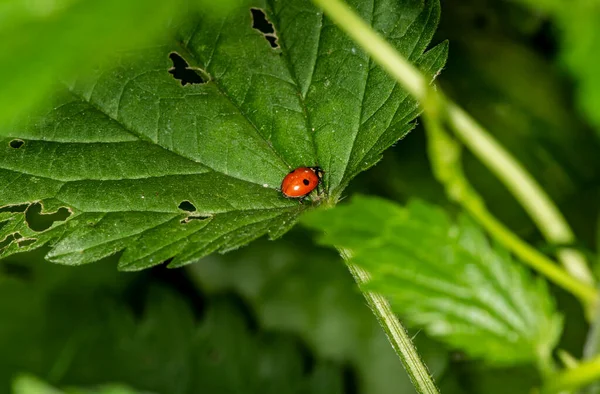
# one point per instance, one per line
(446, 278)
(163, 168)
(306, 290)
(45, 41)
(27, 384)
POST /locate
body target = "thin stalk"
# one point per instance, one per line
(532, 257)
(585, 373)
(395, 332)
(445, 157)
(525, 189)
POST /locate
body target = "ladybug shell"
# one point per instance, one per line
(300, 182)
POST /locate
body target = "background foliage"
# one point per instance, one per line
(285, 316)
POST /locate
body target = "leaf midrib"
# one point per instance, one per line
(195, 56)
(290, 68)
(142, 137)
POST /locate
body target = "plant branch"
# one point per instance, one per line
(532, 257)
(445, 156)
(395, 332)
(525, 189)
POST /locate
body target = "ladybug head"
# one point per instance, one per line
(318, 171)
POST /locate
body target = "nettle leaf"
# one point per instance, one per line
(299, 288)
(446, 278)
(179, 149)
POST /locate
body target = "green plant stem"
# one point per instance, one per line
(532, 257)
(395, 332)
(525, 189)
(583, 374)
(445, 157)
(378, 48)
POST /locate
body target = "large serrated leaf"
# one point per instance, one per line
(446, 278)
(162, 166)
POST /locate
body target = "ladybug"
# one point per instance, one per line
(301, 181)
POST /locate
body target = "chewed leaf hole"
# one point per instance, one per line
(260, 21)
(14, 208)
(182, 71)
(26, 242)
(262, 24)
(16, 143)
(190, 218)
(8, 240)
(187, 206)
(38, 221)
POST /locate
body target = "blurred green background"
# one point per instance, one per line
(285, 316)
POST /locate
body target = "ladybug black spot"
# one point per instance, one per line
(306, 182)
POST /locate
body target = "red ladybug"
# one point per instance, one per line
(301, 181)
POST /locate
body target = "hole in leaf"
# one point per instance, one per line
(263, 25)
(38, 221)
(14, 208)
(187, 206)
(8, 240)
(26, 242)
(190, 218)
(260, 21)
(272, 40)
(16, 143)
(182, 71)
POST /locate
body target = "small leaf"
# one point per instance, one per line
(213, 117)
(446, 278)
